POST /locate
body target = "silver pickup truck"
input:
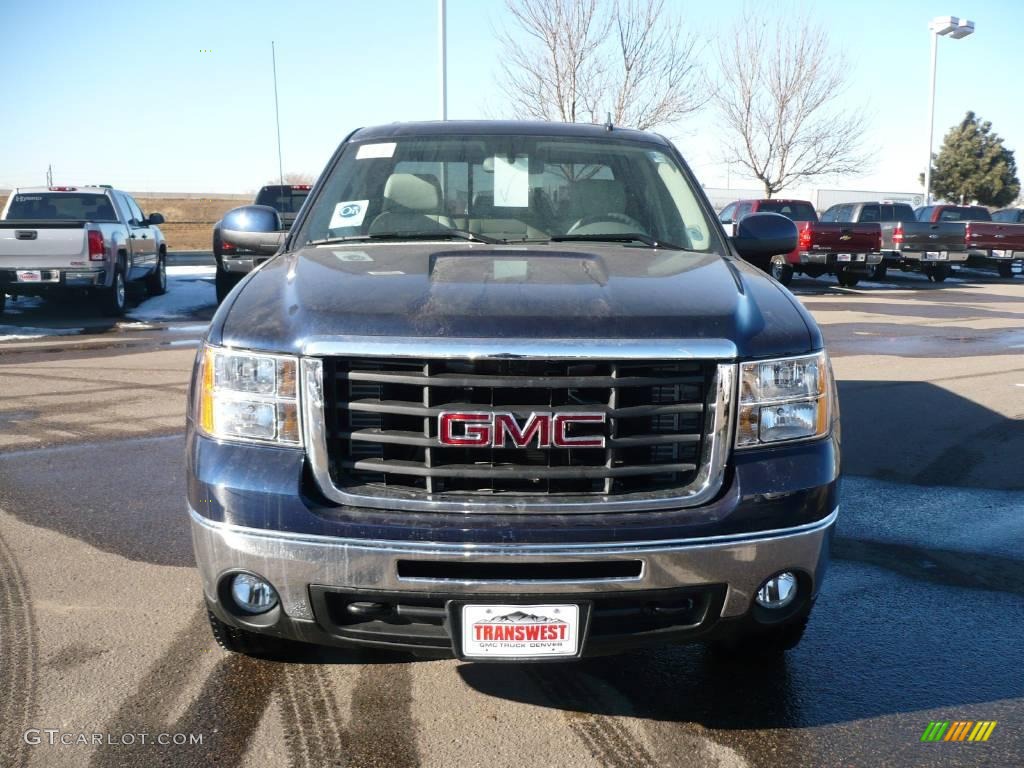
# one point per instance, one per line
(56, 240)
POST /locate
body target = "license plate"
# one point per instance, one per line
(516, 631)
(936, 255)
(843, 257)
(30, 276)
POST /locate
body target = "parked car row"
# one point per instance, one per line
(96, 239)
(866, 239)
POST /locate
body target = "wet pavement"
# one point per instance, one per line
(921, 617)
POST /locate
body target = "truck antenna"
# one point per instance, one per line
(608, 125)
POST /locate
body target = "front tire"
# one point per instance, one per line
(248, 643)
(880, 271)
(156, 281)
(770, 642)
(781, 270)
(113, 298)
(1006, 269)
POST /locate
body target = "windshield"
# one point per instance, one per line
(62, 205)
(286, 199)
(795, 211)
(509, 189)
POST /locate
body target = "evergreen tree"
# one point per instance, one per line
(973, 166)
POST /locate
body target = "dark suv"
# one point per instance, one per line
(507, 391)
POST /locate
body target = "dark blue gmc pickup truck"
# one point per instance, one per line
(507, 391)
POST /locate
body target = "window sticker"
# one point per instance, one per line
(369, 151)
(348, 213)
(512, 182)
(353, 256)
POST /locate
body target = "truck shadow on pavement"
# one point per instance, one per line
(917, 432)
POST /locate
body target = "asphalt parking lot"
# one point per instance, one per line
(921, 618)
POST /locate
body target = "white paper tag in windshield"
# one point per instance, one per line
(512, 182)
(348, 213)
(367, 151)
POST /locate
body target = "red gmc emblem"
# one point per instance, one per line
(489, 429)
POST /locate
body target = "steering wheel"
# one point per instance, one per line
(625, 225)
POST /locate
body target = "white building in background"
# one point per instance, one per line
(820, 198)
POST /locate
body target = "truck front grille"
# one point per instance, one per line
(381, 426)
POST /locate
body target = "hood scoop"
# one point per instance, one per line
(518, 266)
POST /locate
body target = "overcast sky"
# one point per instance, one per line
(178, 96)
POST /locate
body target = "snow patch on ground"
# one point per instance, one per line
(24, 333)
(188, 289)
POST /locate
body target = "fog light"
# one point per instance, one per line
(778, 591)
(252, 594)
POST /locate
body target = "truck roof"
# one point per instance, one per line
(80, 188)
(502, 127)
(773, 200)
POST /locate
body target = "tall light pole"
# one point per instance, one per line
(442, 44)
(947, 26)
(277, 116)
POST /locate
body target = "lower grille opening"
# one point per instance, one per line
(570, 571)
(403, 619)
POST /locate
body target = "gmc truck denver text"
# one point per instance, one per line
(507, 391)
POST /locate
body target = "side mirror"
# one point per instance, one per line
(154, 219)
(762, 235)
(253, 228)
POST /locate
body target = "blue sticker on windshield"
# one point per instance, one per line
(348, 213)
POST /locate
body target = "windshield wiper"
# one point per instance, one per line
(444, 234)
(627, 237)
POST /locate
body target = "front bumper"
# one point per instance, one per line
(719, 575)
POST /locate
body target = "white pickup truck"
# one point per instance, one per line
(54, 240)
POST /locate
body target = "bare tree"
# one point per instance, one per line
(294, 177)
(578, 60)
(781, 98)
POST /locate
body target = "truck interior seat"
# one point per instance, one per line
(500, 221)
(412, 203)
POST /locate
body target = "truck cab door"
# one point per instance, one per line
(143, 241)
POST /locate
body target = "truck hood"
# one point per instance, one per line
(548, 291)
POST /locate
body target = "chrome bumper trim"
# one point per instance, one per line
(292, 562)
(715, 455)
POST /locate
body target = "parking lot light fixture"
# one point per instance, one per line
(946, 26)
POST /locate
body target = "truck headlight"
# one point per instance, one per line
(248, 396)
(787, 399)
